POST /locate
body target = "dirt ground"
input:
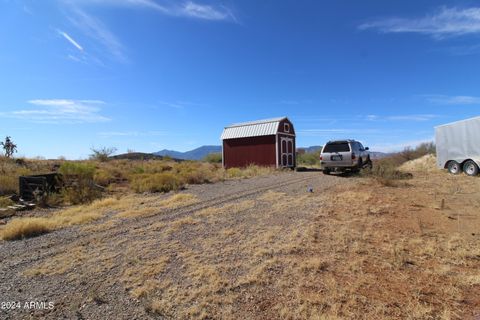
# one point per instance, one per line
(263, 248)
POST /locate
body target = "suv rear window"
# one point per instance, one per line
(337, 147)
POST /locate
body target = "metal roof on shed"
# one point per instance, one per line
(258, 128)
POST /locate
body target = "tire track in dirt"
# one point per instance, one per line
(74, 236)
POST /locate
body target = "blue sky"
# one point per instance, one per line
(152, 74)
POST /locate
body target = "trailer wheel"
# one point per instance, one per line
(326, 171)
(470, 168)
(454, 167)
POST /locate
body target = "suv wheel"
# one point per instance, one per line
(369, 164)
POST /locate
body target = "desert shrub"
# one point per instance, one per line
(79, 182)
(309, 159)
(77, 169)
(196, 172)
(152, 166)
(5, 202)
(53, 200)
(102, 177)
(234, 173)
(414, 153)
(8, 184)
(157, 182)
(213, 158)
(102, 154)
(106, 175)
(137, 170)
(426, 148)
(386, 172)
(199, 176)
(385, 169)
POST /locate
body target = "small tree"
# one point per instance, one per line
(102, 154)
(9, 147)
(213, 158)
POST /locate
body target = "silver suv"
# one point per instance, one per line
(344, 155)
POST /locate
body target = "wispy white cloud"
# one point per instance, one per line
(149, 4)
(321, 132)
(412, 117)
(453, 100)
(180, 104)
(109, 134)
(176, 105)
(95, 29)
(445, 22)
(207, 12)
(71, 40)
(60, 111)
(407, 117)
(186, 9)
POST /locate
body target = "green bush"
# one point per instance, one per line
(309, 159)
(8, 184)
(193, 172)
(79, 182)
(102, 154)
(234, 173)
(103, 177)
(77, 169)
(5, 202)
(213, 158)
(157, 182)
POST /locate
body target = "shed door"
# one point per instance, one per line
(286, 152)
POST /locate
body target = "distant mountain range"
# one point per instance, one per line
(203, 151)
(195, 154)
(311, 149)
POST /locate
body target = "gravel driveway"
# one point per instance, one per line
(83, 292)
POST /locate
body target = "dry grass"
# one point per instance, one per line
(139, 277)
(8, 184)
(143, 207)
(24, 228)
(271, 196)
(358, 251)
(20, 228)
(249, 172)
(157, 182)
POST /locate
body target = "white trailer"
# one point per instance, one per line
(458, 146)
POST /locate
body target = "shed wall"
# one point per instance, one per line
(242, 152)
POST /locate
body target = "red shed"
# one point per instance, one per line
(268, 142)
